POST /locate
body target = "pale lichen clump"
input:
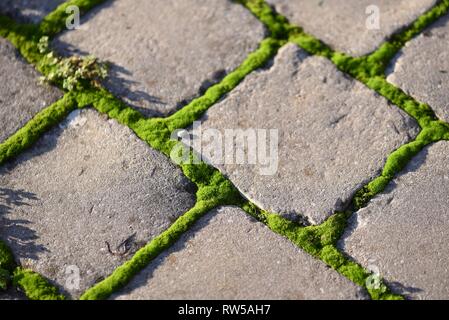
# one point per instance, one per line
(75, 72)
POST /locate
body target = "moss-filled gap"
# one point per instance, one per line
(369, 69)
(213, 188)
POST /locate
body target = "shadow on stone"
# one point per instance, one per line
(26, 11)
(16, 232)
(145, 275)
(405, 291)
(44, 144)
(121, 86)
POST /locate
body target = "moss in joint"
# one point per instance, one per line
(35, 286)
(257, 59)
(41, 123)
(6, 258)
(55, 22)
(276, 24)
(389, 49)
(321, 242)
(7, 265)
(368, 69)
(396, 162)
(213, 188)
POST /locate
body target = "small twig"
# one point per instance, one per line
(125, 244)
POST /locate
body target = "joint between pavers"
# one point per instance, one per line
(281, 31)
(370, 70)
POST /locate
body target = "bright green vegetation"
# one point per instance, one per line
(321, 242)
(35, 286)
(80, 77)
(41, 123)
(7, 265)
(75, 73)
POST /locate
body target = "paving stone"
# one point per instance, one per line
(403, 232)
(342, 24)
(21, 96)
(334, 135)
(28, 10)
(422, 68)
(229, 255)
(84, 183)
(164, 52)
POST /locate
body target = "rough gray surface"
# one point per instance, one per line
(334, 134)
(21, 96)
(422, 68)
(164, 51)
(81, 186)
(28, 10)
(343, 23)
(229, 255)
(404, 231)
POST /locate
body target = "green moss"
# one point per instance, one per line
(41, 123)
(55, 22)
(7, 265)
(397, 161)
(5, 279)
(213, 188)
(123, 274)
(6, 258)
(185, 117)
(421, 112)
(35, 286)
(276, 24)
(321, 242)
(24, 37)
(388, 49)
(368, 69)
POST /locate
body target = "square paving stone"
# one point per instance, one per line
(342, 24)
(163, 53)
(85, 183)
(334, 135)
(422, 68)
(28, 10)
(229, 255)
(21, 95)
(403, 233)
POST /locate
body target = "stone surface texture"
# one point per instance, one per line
(92, 181)
(334, 135)
(422, 68)
(28, 10)
(403, 233)
(229, 255)
(164, 52)
(346, 24)
(21, 95)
